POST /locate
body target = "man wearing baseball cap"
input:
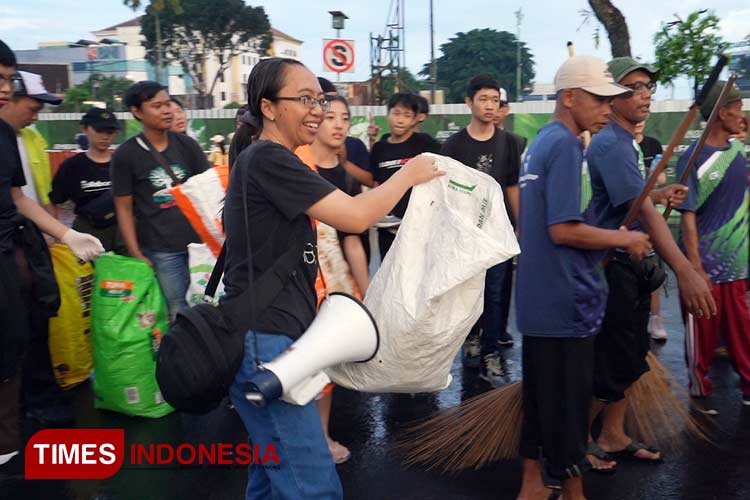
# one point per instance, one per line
(618, 176)
(21, 112)
(715, 239)
(84, 179)
(19, 311)
(560, 291)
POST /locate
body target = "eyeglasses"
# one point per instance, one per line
(15, 82)
(642, 88)
(308, 101)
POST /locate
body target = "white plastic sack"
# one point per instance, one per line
(429, 290)
(201, 262)
(201, 199)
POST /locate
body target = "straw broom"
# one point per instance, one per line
(487, 428)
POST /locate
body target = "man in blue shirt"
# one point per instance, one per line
(617, 178)
(561, 291)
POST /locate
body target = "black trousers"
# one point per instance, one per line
(14, 334)
(623, 342)
(385, 240)
(558, 377)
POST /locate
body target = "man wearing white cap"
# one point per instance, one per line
(17, 286)
(20, 113)
(561, 292)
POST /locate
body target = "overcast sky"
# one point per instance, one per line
(546, 27)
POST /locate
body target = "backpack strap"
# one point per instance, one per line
(242, 311)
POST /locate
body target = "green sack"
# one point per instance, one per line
(129, 316)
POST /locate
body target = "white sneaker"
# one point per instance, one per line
(656, 327)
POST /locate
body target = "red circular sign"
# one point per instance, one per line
(338, 56)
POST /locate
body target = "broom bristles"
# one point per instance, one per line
(487, 428)
(658, 409)
(481, 430)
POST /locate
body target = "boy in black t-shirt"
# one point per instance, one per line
(152, 226)
(493, 151)
(84, 179)
(389, 154)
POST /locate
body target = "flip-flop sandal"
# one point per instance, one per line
(629, 453)
(597, 451)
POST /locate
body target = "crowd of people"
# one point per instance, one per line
(585, 326)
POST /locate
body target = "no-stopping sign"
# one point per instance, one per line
(338, 55)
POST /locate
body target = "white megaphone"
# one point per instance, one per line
(343, 331)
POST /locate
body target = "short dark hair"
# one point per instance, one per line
(480, 82)
(405, 99)
(338, 98)
(327, 86)
(265, 81)
(424, 105)
(7, 57)
(176, 101)
(140, 92)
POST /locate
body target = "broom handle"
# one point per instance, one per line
(693, 158)
(635, 207)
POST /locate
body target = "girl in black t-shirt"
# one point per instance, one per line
(282, 194)
(331, 136)
(84, 180)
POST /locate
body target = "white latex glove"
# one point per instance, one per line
(84, 246)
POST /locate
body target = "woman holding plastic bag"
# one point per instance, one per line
(288, 105)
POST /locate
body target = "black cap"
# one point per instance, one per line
(326, 86)
(100, 119)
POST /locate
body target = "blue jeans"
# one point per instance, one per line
(306, 469)
(494, 319)
(173, 274)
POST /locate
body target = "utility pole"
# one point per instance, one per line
(519, 18)
(433, 62)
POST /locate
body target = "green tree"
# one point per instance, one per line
(156, 7)
(109, 89)
(476, 52)
(205, 29)
(404, 80)
(685, 47)
(74, 99)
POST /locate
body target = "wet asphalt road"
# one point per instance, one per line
(369, 424)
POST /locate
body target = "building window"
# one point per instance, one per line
(223, 96)
(221, 77)
(243, 60)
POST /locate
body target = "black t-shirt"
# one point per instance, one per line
(11, 175)
(387, 158)
(81, 180)
(159, 223)
(356, 152)
(280, 190)
(497, 156)
(339, 177)
(650, 146)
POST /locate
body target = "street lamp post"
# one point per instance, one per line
(337, 21)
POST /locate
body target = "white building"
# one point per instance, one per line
(230, 87)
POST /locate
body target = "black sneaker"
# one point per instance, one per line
(54, 416)
(12, 469)
(704, 405)
(493, 369)
(472, 350)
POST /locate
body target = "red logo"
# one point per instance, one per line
(75, 453)
(100, 453)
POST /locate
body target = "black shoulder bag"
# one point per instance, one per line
(204, 346)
